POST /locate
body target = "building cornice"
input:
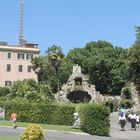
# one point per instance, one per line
(18, 49)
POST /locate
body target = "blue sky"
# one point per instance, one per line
(70, 23)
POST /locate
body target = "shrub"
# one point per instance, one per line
(62, 115)
(112, 104)
(4, 91)
(126, 93)
(128, 103)
(32, 132)
(40, 113)
(95, 119)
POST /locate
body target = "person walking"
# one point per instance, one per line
(133, 117)
(137, 120)
(13, 119)
(122, 119)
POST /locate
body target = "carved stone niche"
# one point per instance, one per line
(77, 89)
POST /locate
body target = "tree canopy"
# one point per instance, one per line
(30, 91)
(108, 67)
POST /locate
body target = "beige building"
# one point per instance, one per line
(15, 62)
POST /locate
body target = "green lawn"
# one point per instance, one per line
(44, 126)
(65, 128)
(8, 138)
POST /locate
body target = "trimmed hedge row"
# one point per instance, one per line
(40, 113)
(95, 119)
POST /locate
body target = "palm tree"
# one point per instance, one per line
(55, 57)
(37, 65)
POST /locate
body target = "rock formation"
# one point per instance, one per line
(133, 96)
(77, 89)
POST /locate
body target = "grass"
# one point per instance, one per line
(8, 138)
(65, 128)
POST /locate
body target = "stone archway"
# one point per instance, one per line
(79, 96)
(77, 89)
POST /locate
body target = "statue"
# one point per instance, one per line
(76, 69)
(77, 120)
(2, 113)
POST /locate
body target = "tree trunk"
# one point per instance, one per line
(58, 86)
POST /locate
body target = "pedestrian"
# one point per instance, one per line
(13, 119)
(137, 120)
(122, 119)
(133, 117)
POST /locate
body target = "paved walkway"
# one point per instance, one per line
(115, 133)
(128, 134)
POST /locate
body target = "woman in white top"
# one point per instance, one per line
(122, 119)
(137, 120)
(133, 117)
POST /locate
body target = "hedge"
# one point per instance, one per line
(95, 119)
(40, 113)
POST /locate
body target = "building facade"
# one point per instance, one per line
(15, 62)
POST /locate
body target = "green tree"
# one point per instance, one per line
(55, 57)
(4, 91)
(30, 91)
(134, 60)
(106, 65)
(134, 63)
(65, 71)
(137, 35)
(37, 65)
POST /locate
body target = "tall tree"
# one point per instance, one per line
(106, 65)
(137, 35)
(55, 57)
(134, 60)
(134, 63)
(37, 65)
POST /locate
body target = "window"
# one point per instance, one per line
(20, 55)
(9, 55)
(8, 68)
(29, 56)
(29, 68)
(8, 83)
(20, 68)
